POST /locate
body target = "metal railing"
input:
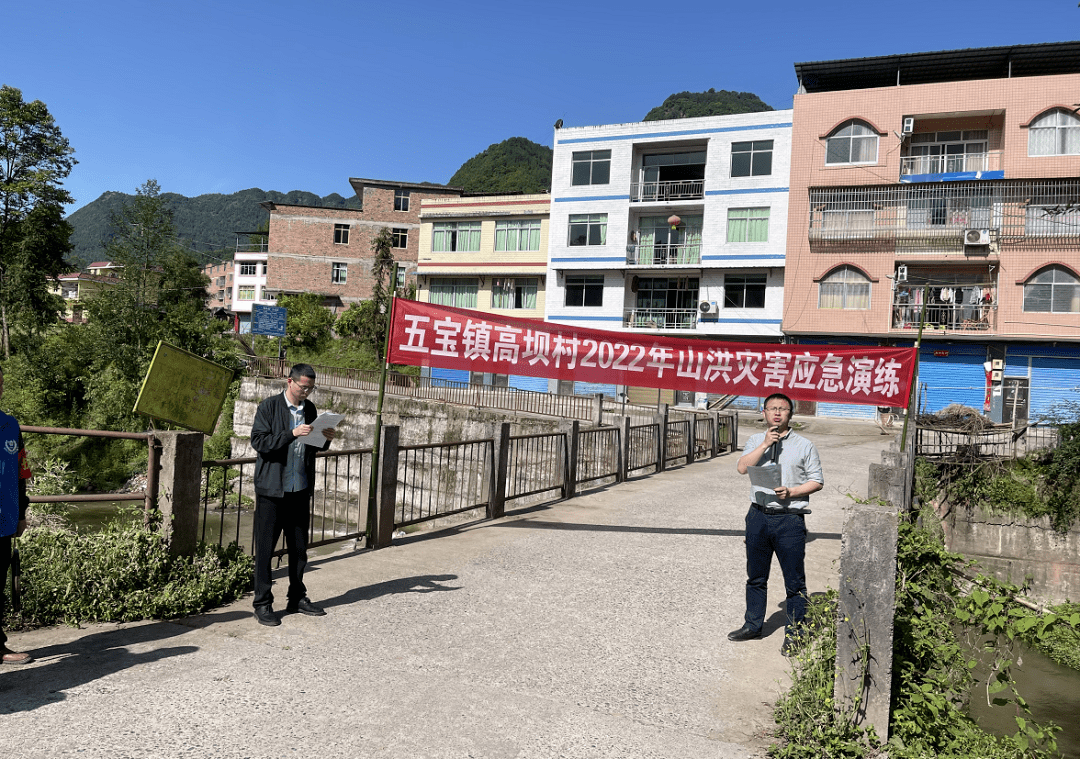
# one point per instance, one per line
(980, 316)
(338, 510)
(428, 388)
(148, 495)
(1016, 211)
(998, 442)
(949, 164)
(660, 318)
(536, 464)
(662, 254)
(441, 479)
(656, 192)
(598, 454)
(643, 450)
(676, 442)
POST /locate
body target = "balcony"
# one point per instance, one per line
(965, 165)
(662, 192)
(664, 255)
(969, 308)
(660, 318)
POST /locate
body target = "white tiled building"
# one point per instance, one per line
(675, 227)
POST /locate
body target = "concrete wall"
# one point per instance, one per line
(1018, 550)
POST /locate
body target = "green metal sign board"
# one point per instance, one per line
(183, 389)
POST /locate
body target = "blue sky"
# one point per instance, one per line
(223, 96)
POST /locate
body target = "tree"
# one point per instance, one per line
(34, 159)
(307, 323)
(161, 295)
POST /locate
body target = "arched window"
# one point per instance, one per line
(1056, 132)
(845, 287)
(1055, 290)
(852, 142)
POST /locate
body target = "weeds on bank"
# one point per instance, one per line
(122, 573)
(943, 623)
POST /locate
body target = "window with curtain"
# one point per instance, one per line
(748, 225)
(521, 234)
(853, 142)
(513, 293)
(454, 292)
(658, 243)
(1054, 133)
(1054, 290)
(588, 229)
(456, 237)
(245, 292)
(844, 288)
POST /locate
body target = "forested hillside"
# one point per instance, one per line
(205, 222)
(687, 105)
(513, 165)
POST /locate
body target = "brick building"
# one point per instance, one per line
(943, 189)
(328, 250)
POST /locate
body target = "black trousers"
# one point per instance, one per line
(290, 514)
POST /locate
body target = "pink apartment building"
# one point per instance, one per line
(943, 189)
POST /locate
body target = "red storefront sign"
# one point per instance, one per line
(454, 338)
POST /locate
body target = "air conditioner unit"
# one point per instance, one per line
(708, 308)
(976, 236)
(909, 125)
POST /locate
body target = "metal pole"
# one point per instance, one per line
(915, 369)
(373, 480)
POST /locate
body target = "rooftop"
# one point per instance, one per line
(1045, 59)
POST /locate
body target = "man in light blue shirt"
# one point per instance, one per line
(776, 521)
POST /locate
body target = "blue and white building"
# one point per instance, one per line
(671, 227)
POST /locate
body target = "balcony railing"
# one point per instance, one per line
(664, 255)
(660, 318)
(950, 164)
(659, 192)
(969, 308)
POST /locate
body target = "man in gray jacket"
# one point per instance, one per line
(284, 483)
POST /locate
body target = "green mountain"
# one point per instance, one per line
(688, 105)
(206, 222)
(514, 165)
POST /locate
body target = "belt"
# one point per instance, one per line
(763, 510)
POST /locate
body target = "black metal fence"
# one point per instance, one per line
(1003, 442)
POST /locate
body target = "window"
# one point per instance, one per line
(339, 272)
(937, 210)
(585, 291)
(249, 270)
(401, 237)
(513, 293)
(401, 200)
(457, 293)
(245, 292)
(1055, 290)
(751, 159)
(846, 288)
(946, 152)
(1054, 133)
(341, 234)
(1046, 218)
(456, 237)
(400, 276)
(588, 229)
(853, 142)
(744, 291)
(748, 225)
(264, 268)
(591, 167)
(666, 302)
(270, 296)
(517, 235)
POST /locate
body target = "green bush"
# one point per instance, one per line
(122, 573)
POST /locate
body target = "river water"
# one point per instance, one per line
(1052, 692)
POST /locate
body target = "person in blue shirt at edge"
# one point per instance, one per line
(14, 473)
(284, 484)
(776, 521)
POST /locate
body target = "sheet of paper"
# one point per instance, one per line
(323, 421)
(765, 476)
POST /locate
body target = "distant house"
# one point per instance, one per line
(237, 285)
(77, 287)
(328, 250)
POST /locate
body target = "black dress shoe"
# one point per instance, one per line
(746, 632)
(266, 616)
(304, 606)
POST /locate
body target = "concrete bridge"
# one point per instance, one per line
(594, 627)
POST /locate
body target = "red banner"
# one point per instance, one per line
(456, 338)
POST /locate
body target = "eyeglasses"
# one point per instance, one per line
(777, 409)
(302, 388)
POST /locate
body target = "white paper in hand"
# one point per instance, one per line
(324, 421)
